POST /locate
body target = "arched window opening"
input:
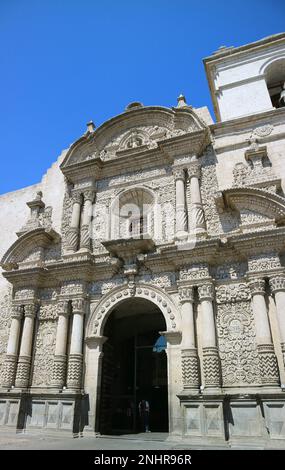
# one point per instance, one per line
(275, 80)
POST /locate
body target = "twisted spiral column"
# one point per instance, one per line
(179, 175)
(73, 231)
(86, 219)
(197, 219)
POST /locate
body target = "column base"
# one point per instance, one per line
(190, 369)
(9, 372)
(23, 372)
(74, 375)
(181, 236)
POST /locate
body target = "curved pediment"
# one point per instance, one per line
(139, 128)
(28, 248)
(256, 207)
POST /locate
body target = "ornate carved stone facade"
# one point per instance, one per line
(171, 224)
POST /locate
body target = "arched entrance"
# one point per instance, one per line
(134, 367)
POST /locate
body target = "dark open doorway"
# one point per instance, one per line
(134, 368)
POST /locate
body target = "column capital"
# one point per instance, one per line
(62, 307)
(206, 291)
(179, 173)
(277, 283)
(17, 311)
(78, 306)
(194, 170)
(186, 294)
(76, 197)
(89, 194)
(257, 286)
(30, 310)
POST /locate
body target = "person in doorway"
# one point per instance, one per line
(144, 414)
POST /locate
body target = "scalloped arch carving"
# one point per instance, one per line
(28, 244)
(155, 295)
(268, 205)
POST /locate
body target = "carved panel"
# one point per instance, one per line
(232, 293)
(237, 347)
(209, 186)
(264, 262)
(193, 272)
(5, 322)
(48, 312)
(44, 353)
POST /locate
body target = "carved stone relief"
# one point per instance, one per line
(236, 338)
(5, 322)
(44, 350)
(209, 187)
(264, 262)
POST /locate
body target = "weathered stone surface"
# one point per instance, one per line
(157, 210)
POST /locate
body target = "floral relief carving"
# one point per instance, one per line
(48, 312)
(237, 347)
(264, 262)
(209, 187)
(197, 271)
(232, 293)
(44, 353)
(5, 322)
(66, 215)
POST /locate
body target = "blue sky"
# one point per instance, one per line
(64, 62)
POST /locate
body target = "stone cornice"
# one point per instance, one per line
(237, 247)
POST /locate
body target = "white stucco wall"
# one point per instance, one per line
(14, 212)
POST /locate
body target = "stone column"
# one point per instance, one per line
(277, 285)
(86, 219)
(211, 361)
(267, 359)
(93, 378)
(25, 356)
(59, 365)
(73, 231)
(180, 230)
(190, 367)
(10, 364)
(75, 357)
(196, 219)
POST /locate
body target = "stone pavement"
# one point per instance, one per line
(34, 440)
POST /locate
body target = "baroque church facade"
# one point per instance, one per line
(149, 264)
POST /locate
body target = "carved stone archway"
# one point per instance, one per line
(162, 300)
(95, 339)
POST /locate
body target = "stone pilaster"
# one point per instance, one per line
(277, 285)
(24, 362)
(74, 376)
(190, 364)
(10, 364)
(267, 359)
(197, 223)
(180, 230)
(73, 231)
(86, 219)
(211, 360)
(59, 365)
